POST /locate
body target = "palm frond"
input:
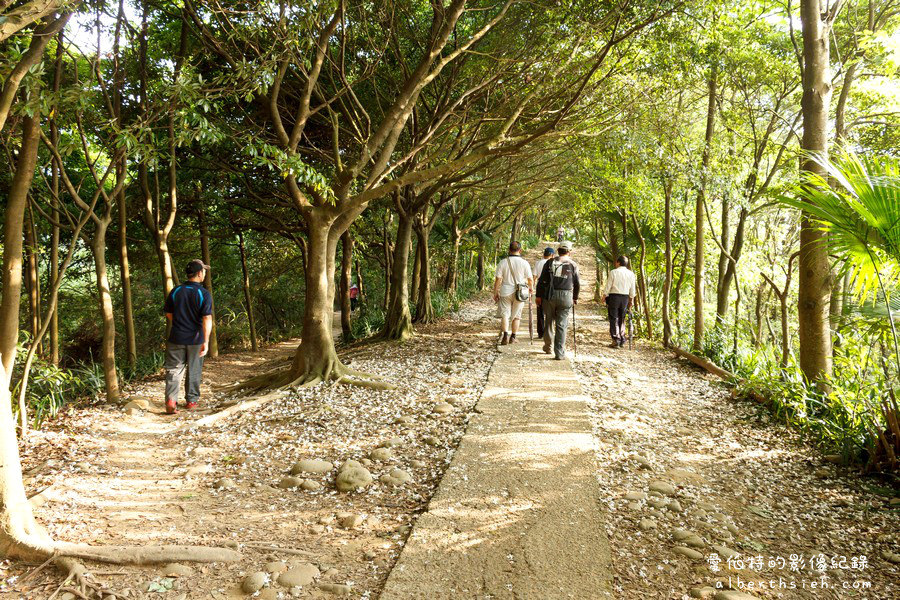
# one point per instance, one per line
(857, 203)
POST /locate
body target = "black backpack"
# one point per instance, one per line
(562, 283)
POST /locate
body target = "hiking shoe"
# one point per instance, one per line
(547, 350)
(170, 406)
(512, 339)
(191, 405)
(616, 345)
(504, 340)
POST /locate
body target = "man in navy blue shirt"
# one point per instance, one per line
(189, 313)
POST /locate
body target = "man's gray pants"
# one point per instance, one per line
(178, 358)
(556, 320)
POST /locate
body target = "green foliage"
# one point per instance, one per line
(861, 214)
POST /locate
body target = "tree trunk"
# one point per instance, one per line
(248, 300)
(13, 229)
(815, 270)
(213, 350)
(125, 269)
(416, 272)
(398, 319)
(424, 309)
(613, 242)
(642, 277)
(107, 314)
(785, 332)
(724, 240)
(453, 266)
(728, 276)
(33, 280)
(316, 358)
(667, 284)
(480, 265)
(840, 127)
(346, 272)
(388, 253)
(514, 229)
(699, 254)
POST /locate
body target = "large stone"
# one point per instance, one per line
(644, 462)
(338, 589)
(352, 476)
(725, 552)
(139, 403)
(349, 520)
(647, 524)
(688, 552)
(311, 465)
(301, 574)
(636, 496)
(287, 483)
(663, 487)
(396, 477)
(276, 566)
(310, 485)
(381, 454)
(704, 593)
(658, 502)
(442, 408)
(432, 440)
(133, 408)
(254, 582)
(394, 441)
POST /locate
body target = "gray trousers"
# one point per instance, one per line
(179, 357)
(556, 320)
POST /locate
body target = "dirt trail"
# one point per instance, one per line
(681, 472)
(688, 472)
(113, 477)
(517, 513)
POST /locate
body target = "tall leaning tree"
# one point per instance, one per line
(817, 17)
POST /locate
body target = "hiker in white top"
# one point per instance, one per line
(512, 271)
(619, 295)
(536, 272)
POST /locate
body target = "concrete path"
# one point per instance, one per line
(517, 514)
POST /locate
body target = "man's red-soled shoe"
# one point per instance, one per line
(170, 406)
(191, 405)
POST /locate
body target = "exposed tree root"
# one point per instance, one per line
(232, 410)
(65, 556)
(146, 555)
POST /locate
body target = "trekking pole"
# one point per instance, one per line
(630, 331)
(574, 334)
(530, 330)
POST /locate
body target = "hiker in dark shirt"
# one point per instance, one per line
(189, 313)
(557, 292)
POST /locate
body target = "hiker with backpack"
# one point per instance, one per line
(512, 289)
(619, 293)
(557, 294)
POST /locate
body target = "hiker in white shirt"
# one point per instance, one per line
(619, 295)
(512, 271)
(536, 272)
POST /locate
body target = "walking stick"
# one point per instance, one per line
(574, 334)
(630, 331)
(530, 330)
